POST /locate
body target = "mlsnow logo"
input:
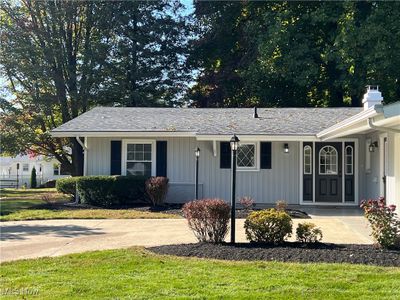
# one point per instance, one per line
(19, 291)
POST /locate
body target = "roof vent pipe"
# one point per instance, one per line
(255, 115)
(372, 96)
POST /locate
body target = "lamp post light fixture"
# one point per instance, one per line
(286, 148)
(197, 154)
(234, 146)
(372, 146)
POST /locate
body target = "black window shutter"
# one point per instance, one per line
(265, 155)
(116, 155)
(161, 159)
(225, 155)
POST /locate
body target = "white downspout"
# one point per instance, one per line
(85, 150)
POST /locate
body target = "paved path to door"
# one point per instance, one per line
(31, 239)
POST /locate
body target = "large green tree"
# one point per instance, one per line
(60, 58)
(151, 47)
(296, 53)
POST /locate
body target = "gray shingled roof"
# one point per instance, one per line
(208, 121)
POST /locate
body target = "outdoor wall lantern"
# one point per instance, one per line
(234, 146)
(286, 148)
(197, 154)
(372, 146)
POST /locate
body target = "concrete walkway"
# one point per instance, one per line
(32, 239)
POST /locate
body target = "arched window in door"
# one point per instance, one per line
(349, 160)
(328, 161)
(307, 160)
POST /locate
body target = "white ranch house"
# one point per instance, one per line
(306, 156)
(47, 169)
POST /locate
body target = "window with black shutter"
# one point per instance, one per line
(225, 155)
(265, 155)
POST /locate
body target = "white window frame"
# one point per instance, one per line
(319, 161)
(124, 160)
(256, 157)
(307, 147)
(59, 169)
(345, 160)
(23, 165)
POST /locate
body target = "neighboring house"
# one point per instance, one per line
(46, 169)
(306, 156)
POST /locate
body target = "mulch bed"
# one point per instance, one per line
(287, 252)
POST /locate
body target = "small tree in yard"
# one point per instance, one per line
(208, 219)
(33, 178)
(156, 189)
(384, 222)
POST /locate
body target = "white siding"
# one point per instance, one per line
(265, 186)
(393, 175)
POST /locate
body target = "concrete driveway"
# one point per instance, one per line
(32, 239)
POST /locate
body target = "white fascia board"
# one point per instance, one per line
(257, 137)
(199, 137)
(63, 134)
(342, 128)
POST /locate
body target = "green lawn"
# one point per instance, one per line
(138, 274)
(30, 193)
(19, 205)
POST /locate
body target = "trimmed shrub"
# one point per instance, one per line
(308, 233)
(281, 205)
(247, 202)
(268, 226)
(111, 191)
(208, 219)
(97, 190)
(33, 178)
(156, 189)
(67, 185)
(130, 190)
(384, 222)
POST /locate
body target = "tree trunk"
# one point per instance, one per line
(77, 158)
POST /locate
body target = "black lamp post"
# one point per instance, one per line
(234, 146)
(17, 173)
(197, 154)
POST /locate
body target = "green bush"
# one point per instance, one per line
(33, 178)
(97, 190)
(67, 185)
(130, 189)
(268, 226)
(308, 233)
(111, 191)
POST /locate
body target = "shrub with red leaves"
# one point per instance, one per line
(247, 202)
(208, 218)
(157, 188)
(384, 222)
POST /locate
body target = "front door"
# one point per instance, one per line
(328, 172)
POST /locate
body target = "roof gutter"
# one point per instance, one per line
(63, 134)
(380, 128)
(340, 128)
